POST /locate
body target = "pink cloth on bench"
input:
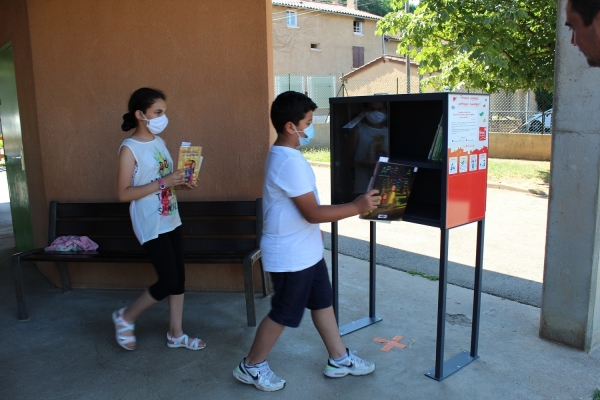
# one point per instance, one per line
(72, 243)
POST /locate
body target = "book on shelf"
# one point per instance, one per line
(435, 152)
(190, 161)
(394, 183)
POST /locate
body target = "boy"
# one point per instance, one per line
(292, 248)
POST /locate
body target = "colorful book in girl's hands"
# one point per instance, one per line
(190, 161)
(394, 183)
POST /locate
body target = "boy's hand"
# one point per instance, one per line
(368, 201)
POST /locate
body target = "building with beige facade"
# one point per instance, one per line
(315, 43)
(384, 75)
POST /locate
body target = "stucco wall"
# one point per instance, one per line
(521, 146)
(86, 62)
(335, 35)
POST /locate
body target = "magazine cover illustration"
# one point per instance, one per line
(394, 182)
(190, 160)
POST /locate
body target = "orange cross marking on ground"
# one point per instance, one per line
(390, 344)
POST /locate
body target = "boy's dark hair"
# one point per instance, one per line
(141, 100)
(290, 107)
(587, 9)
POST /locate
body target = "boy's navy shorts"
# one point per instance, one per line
(295, 291)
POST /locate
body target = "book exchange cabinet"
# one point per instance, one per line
(444, 135)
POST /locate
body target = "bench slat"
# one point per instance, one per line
(204, 208)
(124, 228)
(120, 257)
(217, 208)
(92, 210)
(219, 227)
(193, 245)
(93, 228)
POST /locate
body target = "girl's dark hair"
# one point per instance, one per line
(587, 9)
(141, 100)
(290, 107)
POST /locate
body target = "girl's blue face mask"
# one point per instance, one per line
(309, 131)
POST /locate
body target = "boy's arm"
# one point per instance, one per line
(315, 213)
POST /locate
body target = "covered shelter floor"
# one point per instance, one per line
(67, 350)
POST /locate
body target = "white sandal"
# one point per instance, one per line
(122, 326)
(183, 341)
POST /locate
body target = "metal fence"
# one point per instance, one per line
(518, 112)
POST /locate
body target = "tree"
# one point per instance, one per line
(478, 44)
(377, 7)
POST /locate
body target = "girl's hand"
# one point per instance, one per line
(187, 186)
(174, 179)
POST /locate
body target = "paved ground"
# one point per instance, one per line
(66, 350)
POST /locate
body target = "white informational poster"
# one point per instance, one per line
(468, 121)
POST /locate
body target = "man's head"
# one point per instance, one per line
(583, 17)
(290, 107)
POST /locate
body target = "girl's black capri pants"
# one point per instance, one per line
(166, 253)
(295, 291)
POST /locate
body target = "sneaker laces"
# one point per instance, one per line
(354, 358)
(265, 371)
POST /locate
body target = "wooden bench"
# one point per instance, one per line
(215, 232)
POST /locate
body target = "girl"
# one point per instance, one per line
(146, 180)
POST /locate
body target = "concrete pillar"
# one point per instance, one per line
(570, 311)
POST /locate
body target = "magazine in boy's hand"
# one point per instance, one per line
(190, 160)
(394, 182)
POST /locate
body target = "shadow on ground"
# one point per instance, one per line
(501, 285)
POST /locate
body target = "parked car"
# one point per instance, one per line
(536, 122)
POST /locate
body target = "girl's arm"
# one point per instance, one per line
(315, 213)
(126, 192)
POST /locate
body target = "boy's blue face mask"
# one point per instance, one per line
(309, 131)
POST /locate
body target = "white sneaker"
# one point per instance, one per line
(353, 365)
(259, 375)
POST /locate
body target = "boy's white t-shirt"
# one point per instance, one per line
(289, 242)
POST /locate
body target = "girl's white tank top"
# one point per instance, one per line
(156, 213)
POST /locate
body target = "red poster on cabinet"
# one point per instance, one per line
(468, 136)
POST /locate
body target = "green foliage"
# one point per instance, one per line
(501, 170)
(596, 394)
(317, 155)
(543, 98)
(478, 44)
(423, 275)
(377, 7)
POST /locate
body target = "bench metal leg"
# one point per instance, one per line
(21, 306)
(64, 277)
(249, 289)
(265, 279)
